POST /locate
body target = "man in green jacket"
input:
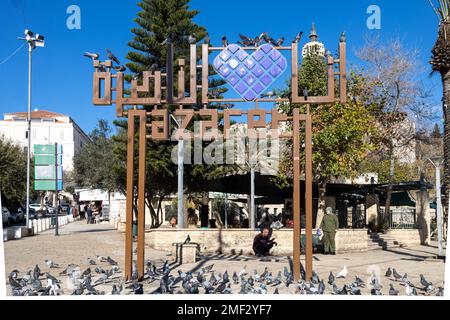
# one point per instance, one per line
(329, 225)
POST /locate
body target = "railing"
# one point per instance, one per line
(402, 218)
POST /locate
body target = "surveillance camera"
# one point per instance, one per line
(29, 33)
(40, 37)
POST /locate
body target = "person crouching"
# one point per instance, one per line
(262, 243)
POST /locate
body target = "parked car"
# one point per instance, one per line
(17, 215)
(64, 208)
(5, 216)
(40, 213)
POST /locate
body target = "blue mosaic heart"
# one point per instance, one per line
(250, 75)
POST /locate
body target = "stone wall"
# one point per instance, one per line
(409, 237)
(240, 241)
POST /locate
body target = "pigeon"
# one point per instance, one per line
(111, 261)
(207, 39)
(93, 56)
(331, 278)
(212, 279)
(440, 292)
(276, 291)
(36, 285)
(354, 290)
(242, 272)
(342, 273)
(120, 68)
(405, 279)
(359, 282)
(235, 278)
(224, 41)
(101, 258)
(321, 287)
(91, 262)
(410, 291)
(427, 285)
(256, 276)
(50, 264)
(99, 270)
(78, 292)
(246, 41)
(392, 291)
(208, 268)
(280, 42)
(396, 275)
(225, 277)
(259, 39)
(138, 288)
(112, 57)
(388, 272)
(277, 279)
(101, 279)
(220, 287)
(298, 37)
(315, 278)
(192, 39)
(14, 283)
(86, 272)
(375, 292)
(342, 38)
(188, 240)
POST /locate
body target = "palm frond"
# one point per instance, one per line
(442, 9)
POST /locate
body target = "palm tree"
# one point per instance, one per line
(441, 63)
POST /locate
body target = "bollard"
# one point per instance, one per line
(35, 226)
(47, 223)
(39, 225)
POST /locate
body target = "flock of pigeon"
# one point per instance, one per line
(204, 281)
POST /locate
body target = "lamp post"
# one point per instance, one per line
(437, 166)
(33, 42)
(180, 216)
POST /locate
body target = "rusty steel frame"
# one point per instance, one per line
(159, 124)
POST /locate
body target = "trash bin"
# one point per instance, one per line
(315, 242)
(53, 221)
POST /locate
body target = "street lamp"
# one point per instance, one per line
(180, 215)
(437, 165)
(33, 42)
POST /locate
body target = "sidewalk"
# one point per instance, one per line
(79, 241)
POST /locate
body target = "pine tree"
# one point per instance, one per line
(436, 133)
(157, 21)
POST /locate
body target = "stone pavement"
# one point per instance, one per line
(79, 241)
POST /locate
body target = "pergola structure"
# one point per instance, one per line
(108, 89)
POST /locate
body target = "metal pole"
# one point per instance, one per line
(252, 198)
(180, 183)
(30, 51)
(226, 211)
(439, 207)
(58, 201)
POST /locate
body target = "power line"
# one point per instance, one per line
(12, 54)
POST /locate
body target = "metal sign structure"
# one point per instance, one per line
(48, 172)
(249, 71)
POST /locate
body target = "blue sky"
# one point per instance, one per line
(62, 80)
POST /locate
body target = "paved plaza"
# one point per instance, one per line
(78, 242)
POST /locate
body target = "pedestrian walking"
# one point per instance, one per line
(329, 225)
